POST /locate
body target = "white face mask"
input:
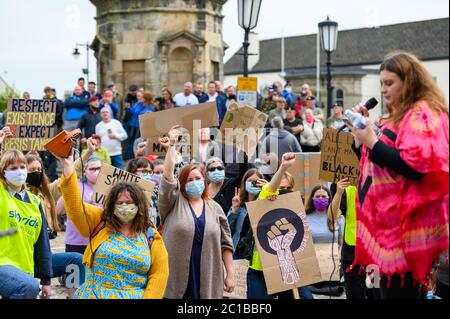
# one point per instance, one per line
(16, 177)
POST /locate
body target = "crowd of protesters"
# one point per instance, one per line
(181, 243)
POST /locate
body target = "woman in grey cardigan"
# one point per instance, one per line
(195, 231)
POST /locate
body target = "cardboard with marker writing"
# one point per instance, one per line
(110, 176)
(183, 146)
(240, 280)
(284, 242)
(156, 124)
(242, 127)
(325, 255)
(305, 172)
(338, 159)
(32, 122)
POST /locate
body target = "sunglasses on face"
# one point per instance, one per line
(212, 169)
(93, 169)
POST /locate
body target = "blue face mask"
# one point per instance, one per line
(252, 189)
(16, 177)
(195, 188)
(147, 177)
(216, 176)
(156, 178)
(265, 170)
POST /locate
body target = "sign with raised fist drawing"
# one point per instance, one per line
(284, 243)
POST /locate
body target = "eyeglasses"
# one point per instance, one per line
(93, 169)
(212, 169)
(144, 171)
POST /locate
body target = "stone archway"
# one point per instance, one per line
(180, 68)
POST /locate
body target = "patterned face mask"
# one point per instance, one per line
(125, 212)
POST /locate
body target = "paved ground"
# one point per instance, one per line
(57, 244)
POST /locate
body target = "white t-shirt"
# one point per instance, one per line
(183, 100)
(113, 146)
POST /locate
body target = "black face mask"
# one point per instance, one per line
(285, 191)
(34, 179)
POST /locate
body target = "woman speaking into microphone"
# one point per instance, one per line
(402, 197)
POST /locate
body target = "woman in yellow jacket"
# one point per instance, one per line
(126, 257)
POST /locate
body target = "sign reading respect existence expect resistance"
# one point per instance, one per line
(32, 123)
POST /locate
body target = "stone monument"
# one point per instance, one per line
(152, 43)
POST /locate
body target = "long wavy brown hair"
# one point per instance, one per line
(310, 205)
(44, 192)
(142, 220)
(418, 85)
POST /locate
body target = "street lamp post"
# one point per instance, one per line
(248, 12)
(76, 55)
(329, 33)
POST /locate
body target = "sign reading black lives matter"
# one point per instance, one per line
(284, 243)
(31, 122)
(338, 160)
(110, 175)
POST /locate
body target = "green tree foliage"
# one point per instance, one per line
(4, 96)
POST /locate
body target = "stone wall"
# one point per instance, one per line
(170, 41)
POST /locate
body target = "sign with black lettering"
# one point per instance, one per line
(338, 160)
(183, 146)
(32, 123)
(110, 175)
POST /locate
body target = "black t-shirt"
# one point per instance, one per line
(288, 125)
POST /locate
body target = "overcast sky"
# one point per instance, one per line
(37, 38)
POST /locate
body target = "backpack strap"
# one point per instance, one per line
(97, 229)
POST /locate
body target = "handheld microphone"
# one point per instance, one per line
(370, 104)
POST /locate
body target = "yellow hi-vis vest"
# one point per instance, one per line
(350, 216)
(18, 250)
(255, 263)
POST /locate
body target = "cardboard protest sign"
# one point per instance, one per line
(242, 127)
(184, 146)
(194, 117)
(240, 280)
(110, 175)
(284, 243)
(306, 172)
(323, 253)
(338, 159)
(31, 122)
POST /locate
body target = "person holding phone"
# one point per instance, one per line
(402, 212)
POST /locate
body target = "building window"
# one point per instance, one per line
(339, 97)
(215, 71)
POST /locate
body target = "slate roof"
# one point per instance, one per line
(427, 39)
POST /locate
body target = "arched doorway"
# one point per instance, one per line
(180, 68)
